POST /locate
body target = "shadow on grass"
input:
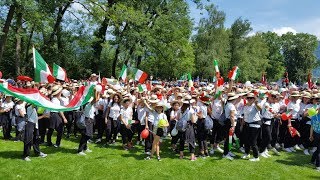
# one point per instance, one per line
(295, 159)
(53, 150)
(11, 154)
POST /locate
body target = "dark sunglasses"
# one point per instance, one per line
(250, 97)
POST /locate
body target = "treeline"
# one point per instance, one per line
(86, 36)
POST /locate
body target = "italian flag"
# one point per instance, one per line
(234, 73)
(190, 82)
(106, 81)
(140, 76)
(59, 73)
(41, 69)
(216, 68)
(220, 87)
(123, 73)
(34, 97)
(144, 88)
(232, 136)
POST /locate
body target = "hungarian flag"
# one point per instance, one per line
(140, 76)
(216, 68)
(310, 84)
(41, 69)
(59, 73)
(234, 73)
(230, 138)
(144, 88)
(34, 97)
(184, 77)
(106, 81)
(219, 86)
(190, 82)
(123, 73)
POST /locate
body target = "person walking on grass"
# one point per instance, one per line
(126, 121)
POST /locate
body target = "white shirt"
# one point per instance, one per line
(32, 115)
(89, 110)
(64, 101)
(7, 105)
(251, 114)
(239, 106)
(267, 111)
(230, 107)
(174, 114)
(294, 109)
(114, 110)
(186, 116)
(126, 114)
(203, 108)
(150, 114)
(157, 117)
(20, 107)
(142, 114)
(56, 101)
(216, 109)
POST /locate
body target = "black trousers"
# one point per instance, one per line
(239, 132)
(274, 131)
(59, 130)
(316, 155)
(43, 126)
(76, 117)
(139, 129)
(112, 129)
(217, 132)
(226, 129)
(266, 137)
(69, 117)
(251, 135)
(100, 124)
(285, 136)
(149, 139)
(202, 135)
(31, 138)
(6, 126)
(83, 141)
(182, 136)
(126, 134)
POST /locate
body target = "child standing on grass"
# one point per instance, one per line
(158, 130)
(125, 127)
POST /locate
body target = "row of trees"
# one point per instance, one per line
(156, 36)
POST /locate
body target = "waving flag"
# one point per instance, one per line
(34, 97)
(310, 84)
(216, 68)
(234, 73)
(190, 82)
(59, 73)
(42, 71)
(140, 76)
(123, 73)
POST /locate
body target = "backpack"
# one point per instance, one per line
(81, 121)
(208, 123)
(181, 125)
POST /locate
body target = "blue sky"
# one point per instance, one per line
(279, 16)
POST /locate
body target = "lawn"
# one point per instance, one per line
(114, 163)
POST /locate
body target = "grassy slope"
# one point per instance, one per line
(115, 163)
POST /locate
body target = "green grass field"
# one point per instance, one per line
(114, 163)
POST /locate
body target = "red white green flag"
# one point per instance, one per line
(41, 69)
(59, 73)
(234, 73)
(144, 88)
(190, 82)
(33, 96)
(123, 73)
(140, 76)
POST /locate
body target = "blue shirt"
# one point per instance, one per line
(315, 123)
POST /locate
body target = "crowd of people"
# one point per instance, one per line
(242, 117)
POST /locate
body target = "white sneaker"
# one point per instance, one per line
(275, 151)
(43, 155)
(148, 153)
(211, 151)
(288, 150)
(196, 144)
(267, 153)
(82, 153)
(277, 146)
(231, 154)
(254, 159)
(293, 150)
(306, 152)
(88, 150)
(301, 146)
(318, 169)
(228, 157)
(246, 156)
(264, 155)
(242, 149)
(27, 159)
(313, 150)
(219, 149)
(296, 147)
(138, 143)
(98, 141)
(142, 143)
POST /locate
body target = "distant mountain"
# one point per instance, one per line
(316, 72)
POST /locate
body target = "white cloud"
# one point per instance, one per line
(284, 30)
(310, 26)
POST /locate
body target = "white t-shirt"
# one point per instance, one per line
(114, 110)
(230, 107)
(65, 101)
(142, 114)
(126, 114)
(56, 101)
(89, 110)
(7, 105)
(239, 106)
(174, 114)
(186, 116)
(157, 117)
(294, 108)
(267, 110)
(251, 114)
(217, 109)
(150, 114)
(203, 108)
(20, 107)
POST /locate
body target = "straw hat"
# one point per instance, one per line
(232, 96)
(153, 99)
(118, 94)
(56, 89)
(295, 94)
(94, 75)
(250, 95)
(126, 99)
(174, 102)
(179, 95)
(160, 104)
(188, 100)
(306, 95)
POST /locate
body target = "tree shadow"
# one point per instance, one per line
(11, 154)
(295, 159)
